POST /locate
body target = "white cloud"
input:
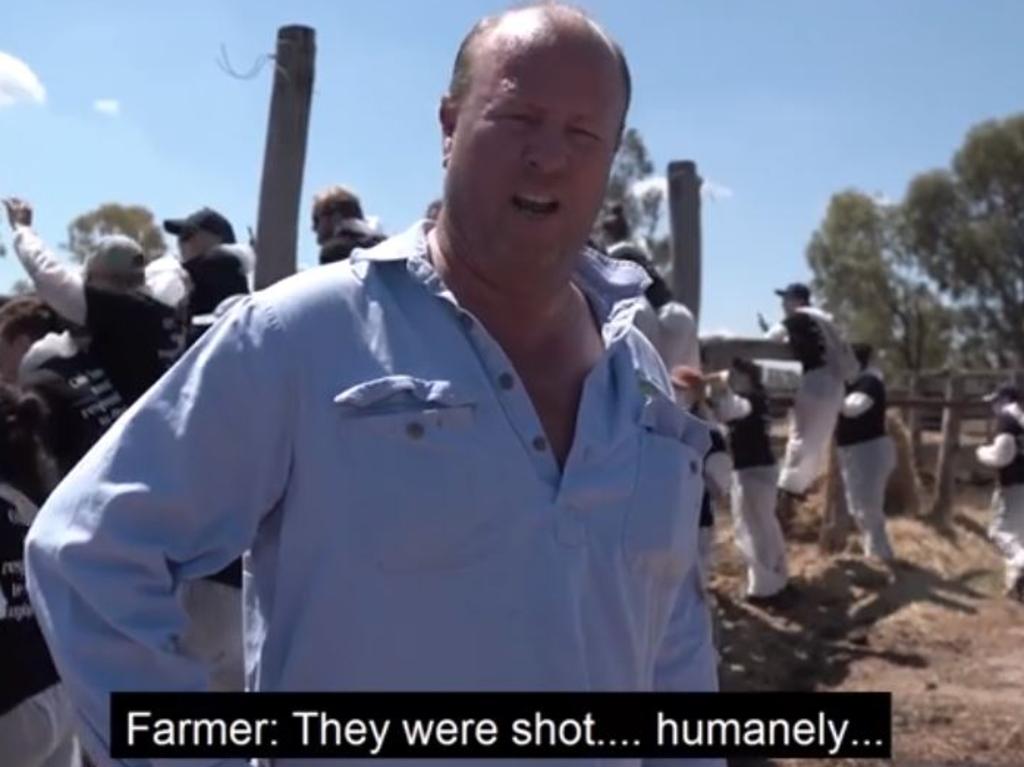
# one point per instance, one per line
(650, 184)
(18, 83)
(712, 190)
(110, 107)
(721, 333)
(709, 190)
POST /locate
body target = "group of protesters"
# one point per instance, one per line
(466, 457)
(85, 344)
(76, 352)
(841, 397)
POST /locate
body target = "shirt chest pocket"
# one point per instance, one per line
(410, 488)
(660, 535)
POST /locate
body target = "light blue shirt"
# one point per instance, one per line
(407, 526)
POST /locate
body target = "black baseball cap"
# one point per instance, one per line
(1008, 392)
(796, 290)
(203, 220)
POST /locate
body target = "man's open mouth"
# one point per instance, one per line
(535, 204)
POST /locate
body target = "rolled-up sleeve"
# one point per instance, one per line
(174, 491)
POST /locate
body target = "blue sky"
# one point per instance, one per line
(780, 103)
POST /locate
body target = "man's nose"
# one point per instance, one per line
(547, 150)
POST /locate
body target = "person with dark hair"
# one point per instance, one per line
(433, 210)
(489, 459)
(133, 331)
(741, 402)
(666, 323)
(217, 265)
(826, 365)
(42, 355)
(36, 719)
(1005, 454)
(23, 321)
(866, 453)
(340, 225)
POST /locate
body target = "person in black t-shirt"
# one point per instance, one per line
(740, 402)
(866, 454)
(134, 334)
(40, 355)
(217, 265)
(36, 721)
(81, 400)
(212, 257)
(1006, 455)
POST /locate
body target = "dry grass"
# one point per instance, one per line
(932, 628)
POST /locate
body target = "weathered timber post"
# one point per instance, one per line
(945, 471)
(913, 419)
(836, 523)
(285, 156)
(684, 222)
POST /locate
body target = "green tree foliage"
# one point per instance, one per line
(872, 285)
(938, 277)
(633, 172)
(134, 221)
(966, 228)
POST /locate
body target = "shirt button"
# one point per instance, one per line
(414, 429)
(540, 444)
(506, 381)
(693, 467)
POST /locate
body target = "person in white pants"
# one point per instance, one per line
(1006, 454)
(866, 453)
(742, 404)
(827, 363)
(690, 391)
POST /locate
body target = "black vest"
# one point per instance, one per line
(869, 425)
(806, 340)
(750, 437)
(27, 666)
(1012, 474)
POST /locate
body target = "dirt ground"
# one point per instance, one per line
(933, 629)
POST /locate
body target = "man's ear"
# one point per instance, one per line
(448, 115)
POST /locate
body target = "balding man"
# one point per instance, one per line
(485, 485)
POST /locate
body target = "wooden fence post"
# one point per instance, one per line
(913, 420)
(684, 222)
(945, 471)
(836, 523)
(284, 158)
